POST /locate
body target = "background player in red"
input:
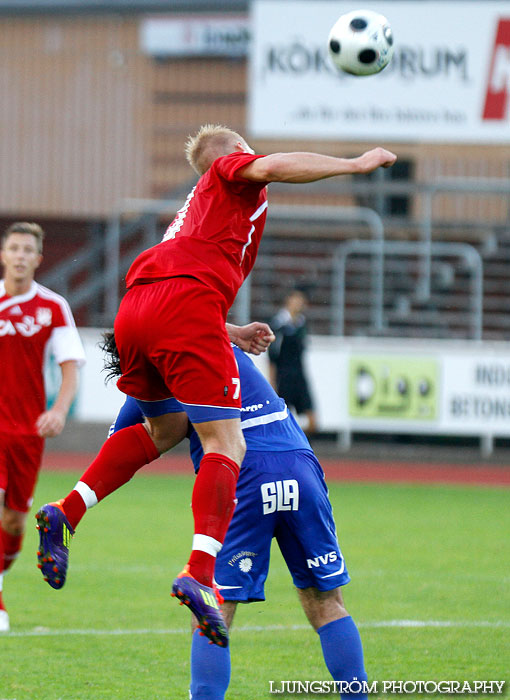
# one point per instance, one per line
(33, 320)
(172, 341)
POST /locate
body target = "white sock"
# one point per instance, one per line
(88, 496)
(206, 544)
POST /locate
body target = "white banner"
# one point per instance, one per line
(197, 35)
(411, 386)
(476, 393)
(449, 80)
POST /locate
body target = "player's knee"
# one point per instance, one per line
(157, 436)
(167, 431)
(228, 610)
(322, 607)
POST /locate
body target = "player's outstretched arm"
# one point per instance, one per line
(254, 338)
(308, 167)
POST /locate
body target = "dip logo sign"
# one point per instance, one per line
(394, 386)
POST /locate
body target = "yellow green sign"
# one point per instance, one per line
(393, 386)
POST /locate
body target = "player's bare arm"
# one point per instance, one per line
(254, 338)
(309, 167)
(52, 422)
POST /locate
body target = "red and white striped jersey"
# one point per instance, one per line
(31, 326)
(215, 236)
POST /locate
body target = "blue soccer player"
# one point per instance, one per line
(281, 493)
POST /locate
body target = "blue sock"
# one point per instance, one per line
(210, 669)
(343, 653)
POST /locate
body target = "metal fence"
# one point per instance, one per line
(363, 274)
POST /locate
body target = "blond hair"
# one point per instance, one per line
(210, 142)
(31, 229)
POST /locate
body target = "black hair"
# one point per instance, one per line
(112, 359)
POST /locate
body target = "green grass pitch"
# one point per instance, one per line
(430, 592)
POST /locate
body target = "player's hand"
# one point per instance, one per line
(254, 338)
(375, 158)
(50, 423)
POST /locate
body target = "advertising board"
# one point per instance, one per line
(449, 80)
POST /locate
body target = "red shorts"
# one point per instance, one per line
(172, 341)
(20, 461)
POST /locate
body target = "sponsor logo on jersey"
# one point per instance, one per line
(279, 495)
(246, 564)
(322, 560)
(498, 83)
(243, 556)
(43, 316)
(15, 311)
(6, 328)
(26, 327)
(251, 409)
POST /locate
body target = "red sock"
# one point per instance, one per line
(1, 556)
(213, 503)
(123, 454)
(11, 546)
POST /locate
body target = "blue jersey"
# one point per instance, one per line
(266, 422)
(281, 494)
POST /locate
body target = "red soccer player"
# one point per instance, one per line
(33, 319)
(172, 341)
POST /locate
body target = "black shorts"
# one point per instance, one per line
(294, 390)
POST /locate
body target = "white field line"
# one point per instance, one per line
(423, 624)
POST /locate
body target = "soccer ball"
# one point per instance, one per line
(361, 42)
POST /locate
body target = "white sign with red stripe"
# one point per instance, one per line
(449, 79)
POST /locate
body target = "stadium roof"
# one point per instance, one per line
(128, 6)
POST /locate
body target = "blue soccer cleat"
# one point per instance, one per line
(204, 603)
(55, 535)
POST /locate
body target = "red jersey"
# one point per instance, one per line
(31, 325)
(215, 236)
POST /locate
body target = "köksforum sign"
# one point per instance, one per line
(449, 79)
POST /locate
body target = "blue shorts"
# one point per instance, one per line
(281, 495)
(133, 410)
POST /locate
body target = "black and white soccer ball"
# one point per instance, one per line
(361, 42)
